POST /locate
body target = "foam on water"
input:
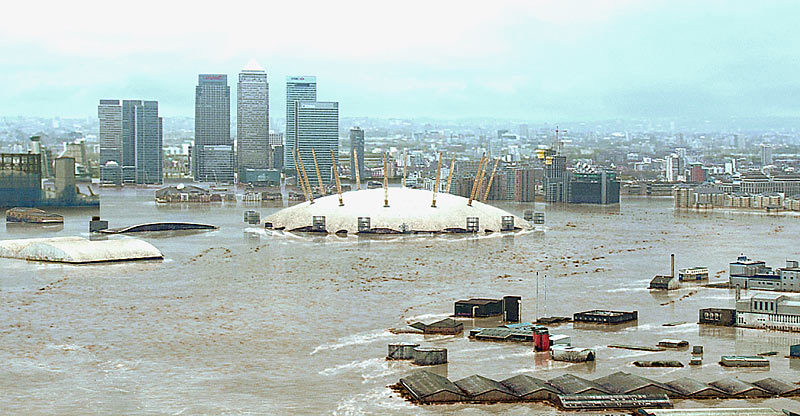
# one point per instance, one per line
(355, 339)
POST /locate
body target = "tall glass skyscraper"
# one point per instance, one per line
(252, 119)
(303, 88)
(131, 137)
(357, 147)
(317, 127)
(213, 147)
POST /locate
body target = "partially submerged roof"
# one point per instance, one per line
(523, 385)
(423, 384)
(409, 210)
(160, 226)
(446, 323)
(688, 386)
(476, 385)
(623, 383)
(572, 384)
(78, 250)
(734, 386)
(717, 411)
(777, 387)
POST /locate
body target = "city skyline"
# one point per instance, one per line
(542, 61)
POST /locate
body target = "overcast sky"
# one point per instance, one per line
(533, 60)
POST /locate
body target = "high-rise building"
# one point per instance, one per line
(302, 88)
(766, 154)
(131, 139)
(252, 119)
(357, 147)
(317, 127)
(213, 147)
(149, 141)
(109, 112)
(276, 150)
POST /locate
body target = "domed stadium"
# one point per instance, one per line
(408, 211)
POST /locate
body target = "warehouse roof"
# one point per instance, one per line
(571, 384)
(777, 387)
(422, 384)
(409, 210)
(734, 386)
(476, 385)
(624, 383)
(717, 411)
(689, 386)
(524, 384)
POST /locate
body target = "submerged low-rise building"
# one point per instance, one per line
(769, 311)
(750, 274)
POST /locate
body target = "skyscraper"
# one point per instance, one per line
(766, 154)
(130, 139)
(109, 112)
(357, 147)
(303, 88)
(252, 119)
(213, 147)
(149, 141)
(317, 127)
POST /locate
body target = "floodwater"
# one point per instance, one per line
(239, 321)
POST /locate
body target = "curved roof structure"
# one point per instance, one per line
(409, 211)
(160, 226)
(78, 250)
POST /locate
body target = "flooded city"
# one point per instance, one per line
(243, 320)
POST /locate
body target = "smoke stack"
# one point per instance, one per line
(672, 265)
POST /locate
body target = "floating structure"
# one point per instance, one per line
(409, 211)
(33, 216)
(615, 391)
(78, 250)
(743, 361)
(673, 343)
(159, 227)
(658, 363)
(599, 316)
(447, 326)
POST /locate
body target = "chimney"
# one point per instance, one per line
(672, 265)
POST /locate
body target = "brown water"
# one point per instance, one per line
(238, 321)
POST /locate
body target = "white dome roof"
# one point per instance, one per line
(409, 210)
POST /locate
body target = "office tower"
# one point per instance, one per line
(109, 112)
(131, 109)
(148, 155)
(556, 179)
(297, 89)
(317, 127)
(276, 150)
(252, 120)
(213, 147)
(766, 154)
(357, 146)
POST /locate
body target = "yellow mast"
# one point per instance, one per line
(358, 173)
(450, 175)
(491, 178)
(305, 178)
(436, 186)
(299, 176)
(385, 182)
(319, 177)
(475, 182)
(336, 176)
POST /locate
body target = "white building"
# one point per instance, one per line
(769, 311)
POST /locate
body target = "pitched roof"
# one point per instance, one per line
(777, 387)
(253, 66)
(623, 383)
(571, 384)
(734, 386)
(689, 386)
(475, 385)
(524, 384)
(422, 384)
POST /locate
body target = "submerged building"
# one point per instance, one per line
(400, 210)
(751, 274)
(21, 183)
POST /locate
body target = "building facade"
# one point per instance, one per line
(148, 154)
(213, 147)
(357, 149)
(131, 136)
(252, 119)
(769, 311)
(298, 88)
(317, 128)
(109, 113)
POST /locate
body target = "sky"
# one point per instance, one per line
(540, 61)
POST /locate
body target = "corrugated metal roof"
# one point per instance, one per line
(689, 386)
(572, 384)
(777, 387)
(524, 384)
(422, 384)
(622, 382)
(475, 385)
(733, 386)
(721, 411)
